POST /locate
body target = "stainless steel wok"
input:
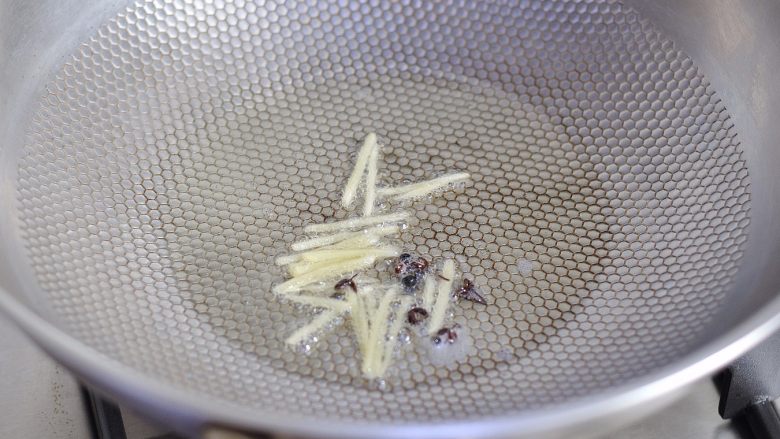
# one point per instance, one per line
(156, 157)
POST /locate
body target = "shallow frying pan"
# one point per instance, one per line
(156, 157)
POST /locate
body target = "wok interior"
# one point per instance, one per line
(180, 148)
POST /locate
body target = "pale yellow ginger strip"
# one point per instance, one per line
(366, 287)
(311, 261)
(363, 319)
(339, 254)
(300, 268)
(350, 190)
(362, 241)
(324, 273)
(304, 268)
(318, 288)
(359, 320)
(442, 297)
(287, 259)
(378, 325)
(422, 188)
(370, 201)
(392, 339)
(359, 242)
(367, 290)
(322, 241)
(429, 292)
(356, 223)
(370, 300)
(319, 322)
(319, 302)
(423, 191)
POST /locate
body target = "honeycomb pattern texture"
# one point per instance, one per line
(183, 147)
